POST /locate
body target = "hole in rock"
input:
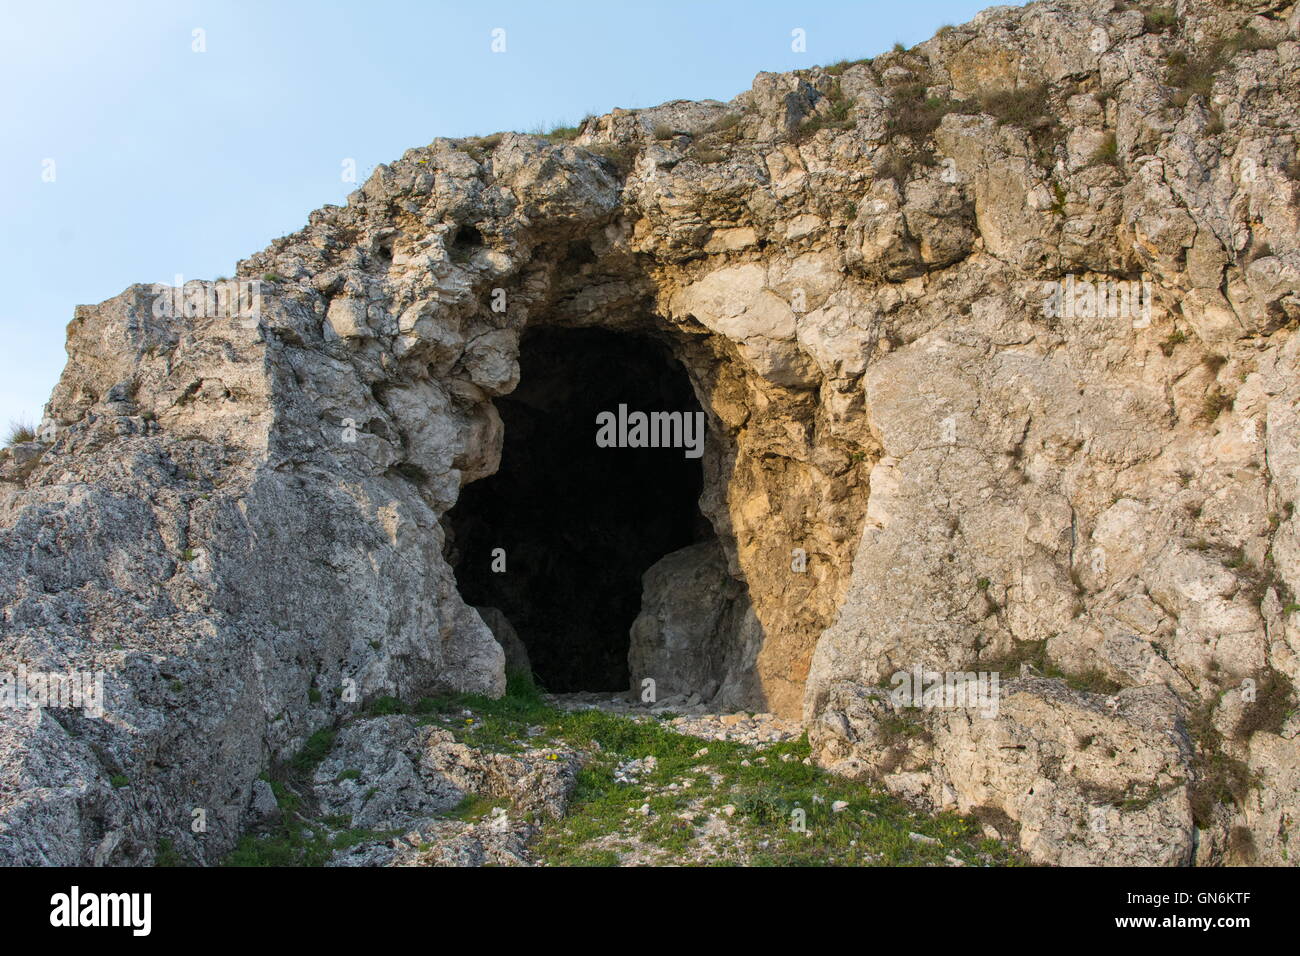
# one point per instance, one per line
(579, 523)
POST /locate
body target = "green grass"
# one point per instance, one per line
(916, 115)
(562, 134)
(602, 823)
(167, 854)
(1174, 339)
(1159, 20)
(1107, 154)
(838, 69)
(476, 807)
(1034, 653)
(1216, 402)
(300, 836)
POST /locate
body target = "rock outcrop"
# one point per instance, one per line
(996, 340)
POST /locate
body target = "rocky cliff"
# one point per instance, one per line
(996, 341)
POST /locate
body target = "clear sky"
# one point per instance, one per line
(130, 156)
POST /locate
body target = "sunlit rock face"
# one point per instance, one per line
(994, 339)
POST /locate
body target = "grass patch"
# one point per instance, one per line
(838, 69)
(1034, 653)
(19, 433)
(1217, 779)
(1194, 75)
(839, 115)
(1215, 404)
(732, 804)
(1174, 339)
(562, 134)
(166, 854)
(915, 114)
(1026, 106)
(621, 156)
(686, 792)
(1107, 154)
(1159, 20)
(1274, 703)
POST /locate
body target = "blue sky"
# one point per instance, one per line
(169, 161)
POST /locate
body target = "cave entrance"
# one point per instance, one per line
(578, 523)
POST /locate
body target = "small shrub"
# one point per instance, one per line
(897, 165)
(1194, 76)
(167, 855)
(1174, 339)
(1059, 197)
(663, 131)
(562, 134)
(1159, 20)
(723, 123)
(838, 69)
(1213, 363)
(620, 156)
(916, 115)
(839, 115)
(1107, 154)
(1217, 779)
(1241, 845)
(20, 433)
(708, 155)
(384, 706)
(1023, 106)
(1216, 402)
(1274, 703)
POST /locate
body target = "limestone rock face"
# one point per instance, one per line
(1076, 778)
(996, 341)
(696, 634)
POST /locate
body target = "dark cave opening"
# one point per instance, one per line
(578, 523)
